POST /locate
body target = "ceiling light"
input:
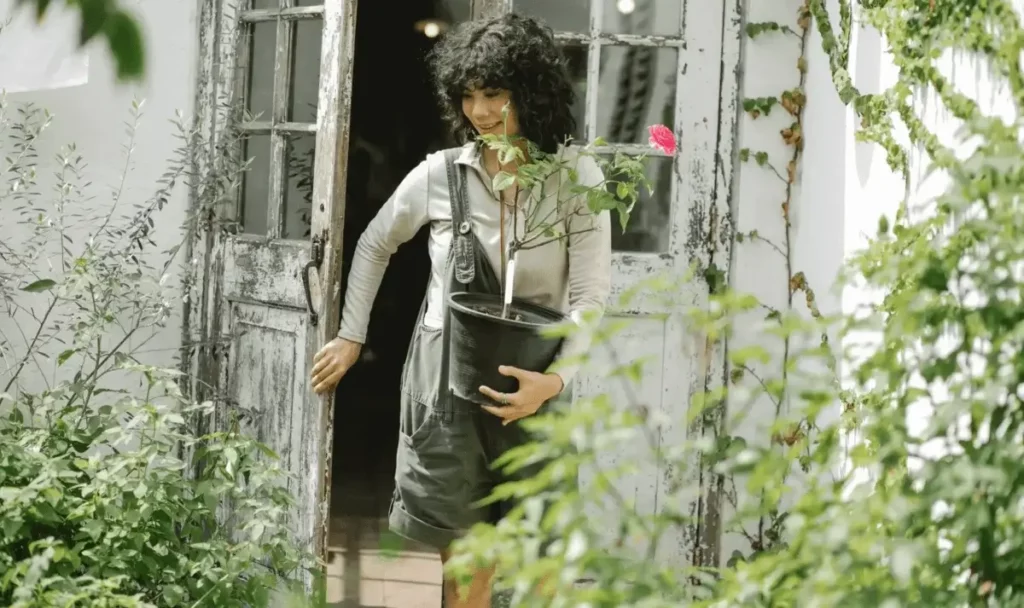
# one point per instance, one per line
(626, 6)
(431, 28)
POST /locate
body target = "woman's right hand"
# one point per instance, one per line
(332, 362)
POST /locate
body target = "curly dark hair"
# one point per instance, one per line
(511, 52)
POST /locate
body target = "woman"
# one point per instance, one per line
(446, 445)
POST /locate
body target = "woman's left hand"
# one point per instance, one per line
(534, 390)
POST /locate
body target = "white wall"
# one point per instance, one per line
(817, 211)
(874, 190)
(92, 116)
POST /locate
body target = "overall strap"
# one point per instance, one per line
(456, 192)
(462, 228)
(456, 268)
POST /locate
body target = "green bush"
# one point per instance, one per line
(100, 504)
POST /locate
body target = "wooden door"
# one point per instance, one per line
(271, 249)
(636, 63)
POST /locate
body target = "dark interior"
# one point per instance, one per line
(395, 124)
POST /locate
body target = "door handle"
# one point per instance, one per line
(315, 260)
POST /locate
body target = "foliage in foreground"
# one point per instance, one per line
(104, 18)
(910, 497)
(97, 504)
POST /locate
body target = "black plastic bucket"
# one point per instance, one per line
(480, 341)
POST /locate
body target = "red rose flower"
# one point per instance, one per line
(662, 138)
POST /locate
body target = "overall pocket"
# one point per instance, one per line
(421, 380)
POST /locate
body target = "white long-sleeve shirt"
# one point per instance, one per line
(572, 274)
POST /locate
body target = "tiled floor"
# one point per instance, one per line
(371, 568)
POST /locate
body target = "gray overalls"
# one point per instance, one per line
(446, 445)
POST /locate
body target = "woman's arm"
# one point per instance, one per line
(590, 263)
(398, 220)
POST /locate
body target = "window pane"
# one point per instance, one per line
(560, 15)
(298, 197)
(636, 88)
(576, 60)
(266, 3)
(260, 94)
(453, 11)
(256, 184)
(305, 71)
(649, 224)
(642, 17)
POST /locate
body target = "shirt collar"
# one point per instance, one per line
(471, 155)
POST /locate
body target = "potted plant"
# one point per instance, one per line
(490, 330)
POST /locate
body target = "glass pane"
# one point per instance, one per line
(260, 96)
(453, 11)
(636, 88)
(305, 71)
(648, 228)
(576, 61)
(642, 17)
(256, 184)
(298, 197)
(561, 16)
(266, 3)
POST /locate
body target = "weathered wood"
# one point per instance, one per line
(330, 174)
(605, 39)
(720, 242)
(483, 9)
(643, 148)
(217, 89)
(194, 342)
(593, 70)
(293, 13)
(704, 84)
(284, 48)
(264, 389)
(256, 270)
(263, 127)
(252, 296)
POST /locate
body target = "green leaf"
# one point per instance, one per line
(125, 40)
(502, 180)
(508, 155)
(41, 6)
(40, 285)
(93, 18)
(64, 356)
(173, 594)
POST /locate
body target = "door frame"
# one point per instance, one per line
(221, 77)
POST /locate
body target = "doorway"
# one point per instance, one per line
(395, 124)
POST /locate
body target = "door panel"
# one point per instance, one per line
(270, 273)
(264, 378)
(290, 67)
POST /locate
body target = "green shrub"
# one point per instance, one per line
(99, 502)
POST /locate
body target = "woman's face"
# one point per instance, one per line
(483, 109)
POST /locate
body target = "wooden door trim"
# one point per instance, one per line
(330, 176)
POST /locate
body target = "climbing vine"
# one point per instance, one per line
(928, 514)
(788, 435)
